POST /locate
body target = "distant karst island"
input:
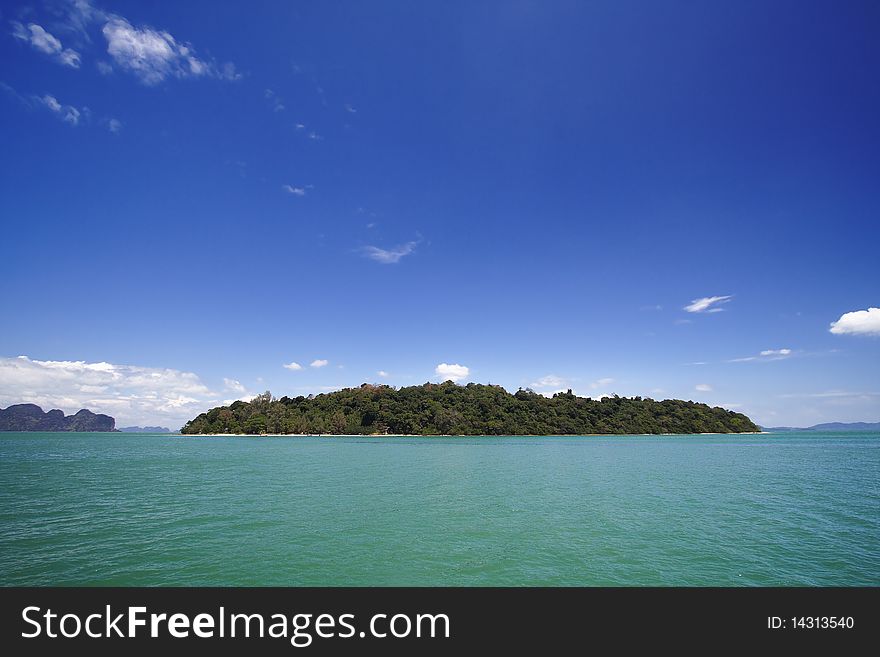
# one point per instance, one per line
(30, 417)
(144, 430)
(469, 410)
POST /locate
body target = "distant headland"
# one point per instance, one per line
(144, 430)
(30, 417)
(830, 426)
(473, 409)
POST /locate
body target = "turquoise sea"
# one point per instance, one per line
(138, 509)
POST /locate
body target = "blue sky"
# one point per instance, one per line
(661, 199)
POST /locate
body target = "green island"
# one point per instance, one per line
(470, 410)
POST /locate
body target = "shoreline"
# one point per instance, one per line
(450, 435)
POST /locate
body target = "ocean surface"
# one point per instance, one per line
(139, 509)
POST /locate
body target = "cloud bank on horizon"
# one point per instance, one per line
(131, 394)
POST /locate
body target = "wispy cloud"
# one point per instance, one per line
(151, 55)
(389, 256)
(296, 191)
(550, 393)
(766, 355)
(776, 352)
(549, 381)
(703, 387)
(561, 384)
(383, 374)
(274, 101)
(707, 304)
(234, 386)
(78, 16)
(451, 371)
(858, 322)
(67, 113)
(46, 43)
(350, 109)
(830, 394)
(293, 365)
(319, 362)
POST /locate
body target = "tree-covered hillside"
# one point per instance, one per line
(474, 409)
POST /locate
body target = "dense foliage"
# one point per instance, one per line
(474, 409)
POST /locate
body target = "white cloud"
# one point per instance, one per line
(69, 58)
(776, 352)
(51, 102)
(149, 54)
(130, 393)
(350, 109)
(293, 365)
(154, 55)
(233, 385)
(318, 362)
(596, 396)
(46, 43)
(274, 101)
(67, 113)
(296, 191)
(765, 355)
(550, 393)
(830, 394)
(703, 387)
(858, 322)
(557, 383)
(707, 304)
(244, 398)
(389, 256)
(70, 115)
(451, 372)
(114, 126)
(549, 381)
(383, 374)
